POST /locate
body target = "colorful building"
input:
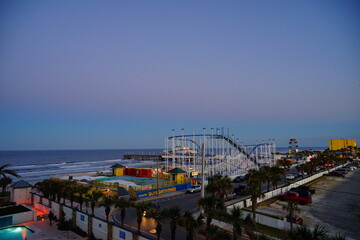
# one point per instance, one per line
(118, 169)
(336, 144)
(177, 174)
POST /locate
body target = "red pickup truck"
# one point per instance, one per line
(295, 197)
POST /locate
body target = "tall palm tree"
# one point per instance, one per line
(234, 217)
(191, 224)
(107, 203)
(71, 193)
(4, 182)
(159, 216)
(93, 197)
(68, 185)
(266, 171)
(254, 188)
(140, 209)
(275, 174)
(82, 190)
(4, 172)
(250, 227)
(292, 208)
(174, 215)
(219, 186)
(122, 204)
(43, 187)
(209, 205)
(60, 187)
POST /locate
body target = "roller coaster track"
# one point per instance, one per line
(216, 136)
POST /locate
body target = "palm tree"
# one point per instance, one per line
(4, 172)
(93, 197)
(82, 190)
(266, 172)
(107, 204)
(219, 186)
(215, 233)
(337, 237)
(275, 175)
(141, 208)
(60, 187)
(159, 216)
(122, 204)
(234, 217)
(254, 188)
(303, 232)
(68, 185)
(292, 209)
(4, 182)
(191, 224)
(174, 215)
(210, 206)
(71, 193)
(250, 227)
(43, 187)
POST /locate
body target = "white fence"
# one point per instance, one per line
(99, 227)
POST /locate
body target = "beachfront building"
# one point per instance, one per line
(118, 169)
(336, 144)
(20, 192)
(177, 174)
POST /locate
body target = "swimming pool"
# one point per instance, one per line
(136, 180)
(17, 232)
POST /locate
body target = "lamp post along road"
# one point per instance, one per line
(202, 171)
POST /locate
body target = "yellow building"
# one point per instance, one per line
(336, 144)
(118, 169)
(177, 174)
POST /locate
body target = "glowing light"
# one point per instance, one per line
(153, 230)
(23, 234)
(144, 214)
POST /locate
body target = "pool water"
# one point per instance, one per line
(15, 233)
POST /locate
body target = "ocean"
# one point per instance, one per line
(41, 164)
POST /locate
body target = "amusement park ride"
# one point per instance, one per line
(223, 154)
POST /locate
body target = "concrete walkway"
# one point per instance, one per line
(43, 231)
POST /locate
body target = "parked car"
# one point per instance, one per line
(240, 190)
(301, 192)
(304, 188)
(342, 170)
(239, 179)
(230, 196)
(337, 173)
(290, 176)
(294, 219)
(295, 197)
(194, 189)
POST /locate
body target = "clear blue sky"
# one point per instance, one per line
(122, 74)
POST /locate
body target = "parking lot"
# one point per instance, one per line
(336, 205)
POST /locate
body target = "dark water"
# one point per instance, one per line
(34, 165)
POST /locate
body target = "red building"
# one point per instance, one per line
(138, 172)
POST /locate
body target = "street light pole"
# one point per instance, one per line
(202, 171)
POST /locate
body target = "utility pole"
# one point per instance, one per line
(157, 177)
(202, 171)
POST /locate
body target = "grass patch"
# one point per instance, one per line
(13, 209)
(268, 202)
(274, 232)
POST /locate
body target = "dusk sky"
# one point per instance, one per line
(123, 74)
